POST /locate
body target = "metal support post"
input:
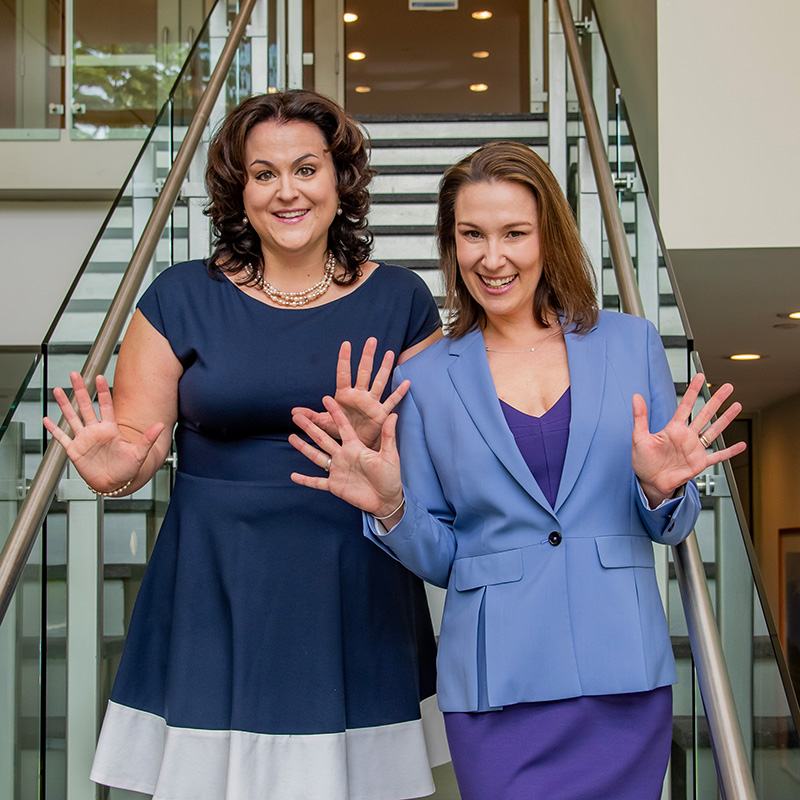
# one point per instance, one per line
(536, 28)
(259, 48)
(84, 631)
(557, 99)
(646, 256)
(294, 44)
(590, 216)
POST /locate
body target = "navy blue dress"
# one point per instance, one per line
(273, 651)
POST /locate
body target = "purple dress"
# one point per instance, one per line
(607, 747)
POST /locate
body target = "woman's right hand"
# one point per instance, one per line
(103, 456)
(365, 478)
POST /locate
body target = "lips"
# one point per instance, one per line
(497, 283)
(291, 214)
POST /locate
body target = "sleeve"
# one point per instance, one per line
(164, 306)
(672, 521)
(424, 317)
(423, 540)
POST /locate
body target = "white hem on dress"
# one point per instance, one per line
(138, 751)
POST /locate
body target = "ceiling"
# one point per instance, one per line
(733, 300)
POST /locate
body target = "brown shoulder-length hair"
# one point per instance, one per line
(567, 285)
(236, 244)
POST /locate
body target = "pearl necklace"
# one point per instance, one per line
(295, 299)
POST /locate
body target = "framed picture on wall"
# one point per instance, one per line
(789, 571)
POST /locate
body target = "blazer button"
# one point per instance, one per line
(554, 538)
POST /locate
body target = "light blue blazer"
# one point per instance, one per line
(543, 603)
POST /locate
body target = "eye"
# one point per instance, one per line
(306, 171)
(264, 175)
(516, 234)
(470, 234)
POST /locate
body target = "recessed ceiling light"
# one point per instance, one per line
(478, 87)
(348, 17)
(794, 315)
(363, 89)
(356, 55)
(745, 357)
(481, 54)
(481, 15)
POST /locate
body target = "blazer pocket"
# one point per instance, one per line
(625, 551)
(489, 569)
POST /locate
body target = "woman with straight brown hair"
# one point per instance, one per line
(273, 653)
(529, 484)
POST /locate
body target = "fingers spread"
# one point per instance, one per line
(56, 432)
(340, 420)
(689, 398)
(307, 480)
(104, 400)
(67, 410)
(84, 400)
(382, 376)
(365, 364)
(397, 395)
(640, 426)
(343, 375)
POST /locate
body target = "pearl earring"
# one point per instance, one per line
(339, 211)
(245, 220)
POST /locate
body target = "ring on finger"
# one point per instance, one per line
(704, 441)
(327, 466)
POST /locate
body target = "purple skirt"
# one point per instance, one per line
(607, 747)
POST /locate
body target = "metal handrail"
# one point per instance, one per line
(733, 769)
(21, 539)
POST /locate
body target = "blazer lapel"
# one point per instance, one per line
(587, 371)
(472, 380)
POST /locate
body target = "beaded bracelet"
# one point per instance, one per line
(402, 503)
(110, 494)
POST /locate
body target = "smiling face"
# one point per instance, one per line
(497, 247)
(290, 196)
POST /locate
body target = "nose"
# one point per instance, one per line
(287, 190)
(493, 256)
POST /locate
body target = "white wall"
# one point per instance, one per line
(728, 115)
(44, 244)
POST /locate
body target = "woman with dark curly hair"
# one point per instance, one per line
(273, 651)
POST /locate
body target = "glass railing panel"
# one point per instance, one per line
(23, 645)
(125, 57)
(31, 69)
(757, 670)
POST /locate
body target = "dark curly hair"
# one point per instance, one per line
(236, 245)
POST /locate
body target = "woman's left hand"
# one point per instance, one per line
(360, 402)
(666, 460)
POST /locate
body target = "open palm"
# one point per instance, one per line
(104, 458)
(363, 477)
(666, 460)
(360, 402)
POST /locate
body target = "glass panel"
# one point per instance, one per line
(31, 69)
(22, 648)
(125, 59)
(757, 672)
(437, 60)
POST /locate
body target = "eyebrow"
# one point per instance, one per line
(270, 164)
(510, 226)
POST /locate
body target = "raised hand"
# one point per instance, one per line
(666, 460)
(360, 402)
(365, 478)
(104, 458)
